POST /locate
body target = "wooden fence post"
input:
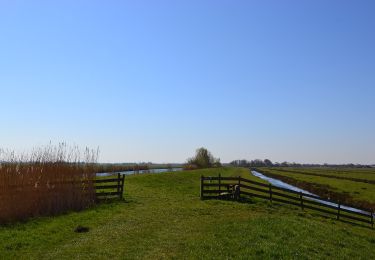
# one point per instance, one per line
(270, 188)
(239, 188)
(338, 211)
(219, 184)
(201, 187)
(118, 184)
(122, 186)
(301, 198)
(372, 219)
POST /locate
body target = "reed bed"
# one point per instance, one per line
(48, 181)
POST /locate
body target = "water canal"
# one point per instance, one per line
(142, 171)
(281, 184)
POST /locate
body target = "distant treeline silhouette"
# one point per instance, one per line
(269, 163)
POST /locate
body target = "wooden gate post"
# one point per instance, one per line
(122, 186)
(239, 188)
(372, 219)
(201, 187)
(219, 184)
(338, 211)
(270, 188)
(118, 184)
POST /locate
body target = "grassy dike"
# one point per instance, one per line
(163, 217)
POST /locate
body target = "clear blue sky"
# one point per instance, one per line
(154, 80)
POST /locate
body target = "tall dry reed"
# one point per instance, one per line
(48, 181)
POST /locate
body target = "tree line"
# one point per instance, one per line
(269, 163)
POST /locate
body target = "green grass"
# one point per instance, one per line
(366, 174)
(163, 217)
(358, 191)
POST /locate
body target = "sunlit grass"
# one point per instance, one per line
(163, 217)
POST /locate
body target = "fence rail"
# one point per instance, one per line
(219, 187)
(110, 187)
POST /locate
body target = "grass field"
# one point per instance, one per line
(354, 174)
(163, 217)
(347, 185)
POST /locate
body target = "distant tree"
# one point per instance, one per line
(268, 163)
(169, 167)
(203, 159)
(240, 163)
(294, 164)
(217, 162)
(285, 164)
(257, 163)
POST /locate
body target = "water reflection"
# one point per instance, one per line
(142, 171)
(281, 184)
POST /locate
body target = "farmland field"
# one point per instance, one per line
(354, 174)
(351, 186)
(163, 217)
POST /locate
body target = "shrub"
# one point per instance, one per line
(202, 159)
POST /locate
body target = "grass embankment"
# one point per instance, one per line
(347, 185)
(163, 217)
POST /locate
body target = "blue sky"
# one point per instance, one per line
(154, 80)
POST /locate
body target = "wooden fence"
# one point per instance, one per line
(110, 187)
(238, 187)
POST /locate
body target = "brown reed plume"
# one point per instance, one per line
(50, 180)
